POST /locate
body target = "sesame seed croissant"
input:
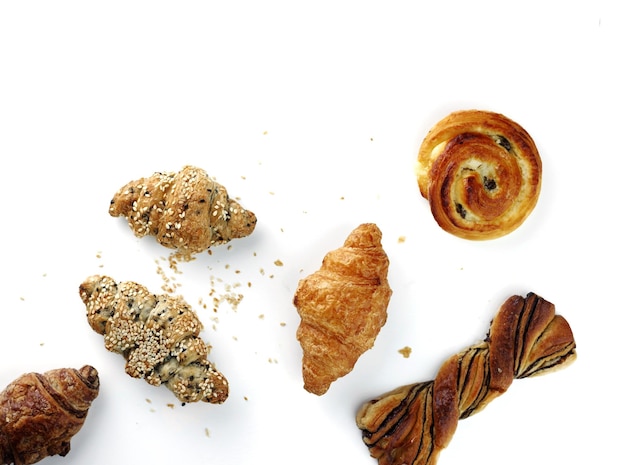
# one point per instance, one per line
(41, 412)
(187, 211)
(413, 423)
(342, 307)
(157, 334)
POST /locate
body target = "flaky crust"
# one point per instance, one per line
(342, 307)
(158, 335)
(40, 413)
(187, 210)
(481, 173)
(413, 423)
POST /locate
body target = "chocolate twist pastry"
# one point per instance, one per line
(413, 423)
(158, 335)
(41, 412)
(187, 210)
(481, 173)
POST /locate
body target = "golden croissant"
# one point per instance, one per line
(480, 172)
(342, 307)
(413, 423)
(187, 211)
(157, 334)
(41, 412)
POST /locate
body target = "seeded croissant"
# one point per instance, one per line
(187, 211)
(342, 307)
(413, 423)
(40, 413)
(157, 334)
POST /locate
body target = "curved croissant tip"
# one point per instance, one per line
(365, 235)
(90, 376)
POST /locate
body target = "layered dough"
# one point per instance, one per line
(186, 210)
(481, 173)
(342, 307)
(413, 424)
(41, 412)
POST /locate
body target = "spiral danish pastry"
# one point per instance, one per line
(481, 173)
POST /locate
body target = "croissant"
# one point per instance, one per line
(413, 423)
(187, 211)
(40, 413)
(481, 174)
(157, 334)
(342, 307)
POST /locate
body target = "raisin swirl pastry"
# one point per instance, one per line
(158, 335)
(481, 173)
(413, 423)
(41, 412)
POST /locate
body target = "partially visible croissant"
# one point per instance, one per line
(157, 334)
(413, 423)
(342, 307)
(187, 211)
(40, 413)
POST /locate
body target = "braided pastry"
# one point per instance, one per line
(480, 172)
(157, 334)
(413, 423)
(187, 210)
(41, 412)
(342, 307)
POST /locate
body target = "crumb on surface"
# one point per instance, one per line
(401, 239)
(405, 351)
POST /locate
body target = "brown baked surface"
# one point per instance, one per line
(481, 173)
(41, 412)
(158, 335)
(413, 423)
(342, 307)
(187, 210)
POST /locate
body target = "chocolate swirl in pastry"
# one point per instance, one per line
(480, 172)
(413, 423)
(41, 412)
(158, 335)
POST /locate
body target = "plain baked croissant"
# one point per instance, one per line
(480, 172)
(157, 334)
(342, 307)
(413, 423)
(187, 211)
(41, 412)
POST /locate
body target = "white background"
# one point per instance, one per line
(312, 114)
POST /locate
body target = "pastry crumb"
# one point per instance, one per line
(405, 351)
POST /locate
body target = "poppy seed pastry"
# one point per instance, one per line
(158, 335)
